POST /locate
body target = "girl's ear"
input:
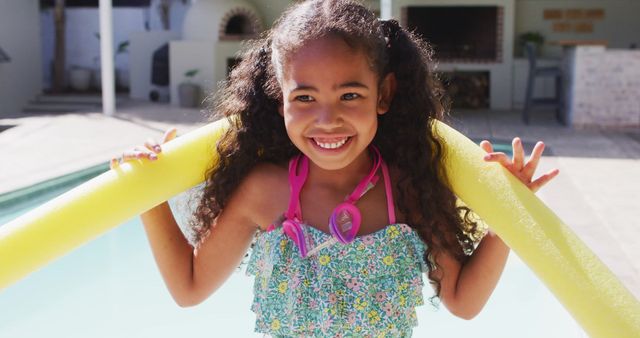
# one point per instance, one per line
(281, 109)
(387, 91)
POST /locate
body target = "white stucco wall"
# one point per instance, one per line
(20, 39)
(201, 47)
(620, 26)
(209, 58)
(202, 21)
(185, 55)
(82, 47)
(270, 10)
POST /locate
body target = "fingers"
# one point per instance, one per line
(149, 151)
(516, 163)
(169, 135)
(494, 157)
(518, 154)
(486, 146)
(532, 164)
(152, 145)
(542, 180)
(136, 153)
(524, 172)
(500, 157)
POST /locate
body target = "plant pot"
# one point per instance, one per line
(80, 78)
(521, 48)
(159, 94)
(122, 78)
(189, 95)
(97, 79)
(538, 48)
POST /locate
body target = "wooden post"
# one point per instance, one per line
(164, 10)
(59, 61)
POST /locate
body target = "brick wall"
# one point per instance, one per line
(606, 87)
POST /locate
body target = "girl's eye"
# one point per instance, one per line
(304, 98)
(350, 96)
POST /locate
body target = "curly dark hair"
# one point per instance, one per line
(251, 96)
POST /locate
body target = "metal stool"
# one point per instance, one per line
(534, 71)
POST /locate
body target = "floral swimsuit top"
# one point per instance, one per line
(367, 288)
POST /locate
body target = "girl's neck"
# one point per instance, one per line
(348, 176)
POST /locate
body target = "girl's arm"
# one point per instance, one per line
(191, 275)
(171, 250)
(465, 289)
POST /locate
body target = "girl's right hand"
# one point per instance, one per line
(150, 150)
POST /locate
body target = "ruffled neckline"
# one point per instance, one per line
(374, 234)
(378, 276)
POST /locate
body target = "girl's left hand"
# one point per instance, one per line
(523, 171)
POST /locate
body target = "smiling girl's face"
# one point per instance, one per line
(331, 102)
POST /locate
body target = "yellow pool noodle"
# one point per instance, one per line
(580, 281)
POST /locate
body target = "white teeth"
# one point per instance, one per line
(332, 145)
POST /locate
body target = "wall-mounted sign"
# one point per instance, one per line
(576, 20)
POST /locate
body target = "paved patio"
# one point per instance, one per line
(595, 194)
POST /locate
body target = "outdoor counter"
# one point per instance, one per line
(602, 86)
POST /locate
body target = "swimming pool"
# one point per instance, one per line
(111, 288)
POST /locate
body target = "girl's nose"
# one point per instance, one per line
(328, 118)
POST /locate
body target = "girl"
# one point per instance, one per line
(331, 103)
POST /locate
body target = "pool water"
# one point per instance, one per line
(111, 287)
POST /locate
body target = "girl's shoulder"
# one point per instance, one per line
(267, 175)
(265, 192)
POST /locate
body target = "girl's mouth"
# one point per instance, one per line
(333, 143)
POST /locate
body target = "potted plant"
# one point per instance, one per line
(534, 37)
(189, 93)
(122, 75)
(97, 73)
(80, 78)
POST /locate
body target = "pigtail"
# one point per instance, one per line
(423, 190)
(249, 99)
(390, 29)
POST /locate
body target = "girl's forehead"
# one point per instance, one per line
(327, 59)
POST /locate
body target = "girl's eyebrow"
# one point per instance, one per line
(350, 84)
(353, 84)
